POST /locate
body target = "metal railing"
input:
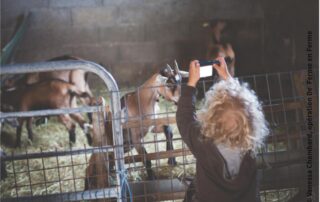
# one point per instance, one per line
(114, 104)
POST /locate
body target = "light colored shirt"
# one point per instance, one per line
(232, 157)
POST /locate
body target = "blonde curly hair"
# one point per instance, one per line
(232, 115)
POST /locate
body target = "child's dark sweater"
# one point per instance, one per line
(211, 183)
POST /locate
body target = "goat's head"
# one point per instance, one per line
(226, 51)
(219, 47)
(170, 82)
(9, 99)
(101, 129)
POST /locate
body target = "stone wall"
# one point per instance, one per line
(133, 38)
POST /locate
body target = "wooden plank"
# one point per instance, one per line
(286, 106)
(149, 122)
(157, 155)
(284, 137)
(137, 123)
(273, 158)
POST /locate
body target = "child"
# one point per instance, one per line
(223, 139)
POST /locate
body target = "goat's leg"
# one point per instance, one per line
(18, 132)
(87, 101)
(3, 170)
(29, 128)
(80, 120)
(89, 115)
(142, 151)
(71, 127)
(166, 129)
(41, 120)
(169, 136)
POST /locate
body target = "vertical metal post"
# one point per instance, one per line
(118, 141)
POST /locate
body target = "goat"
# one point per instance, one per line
(77, 77)
(53, 94)
(3, 170)
(143, 103)
(216, 47)
(97, 172)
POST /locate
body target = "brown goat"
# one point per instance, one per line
(97, 172)
(217, 47)
(3, 170)
(141, 103)
(53, 94)
(77, 77)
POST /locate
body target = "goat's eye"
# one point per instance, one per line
(171, 81)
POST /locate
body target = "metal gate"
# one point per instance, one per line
(116, 192)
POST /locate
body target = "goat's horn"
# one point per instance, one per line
(176, 66)
(184, 74)
(168, 66)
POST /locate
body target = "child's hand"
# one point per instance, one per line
(194, 73)
(222, 68)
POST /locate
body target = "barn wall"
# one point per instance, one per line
(132, 38)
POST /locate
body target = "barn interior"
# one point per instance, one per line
(132, 40)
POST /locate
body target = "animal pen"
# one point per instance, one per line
(60, 174)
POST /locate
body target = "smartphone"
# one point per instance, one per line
(206, 69)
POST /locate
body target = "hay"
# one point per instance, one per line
(282, 195)
(44, 176)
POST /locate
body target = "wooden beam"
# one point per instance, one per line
(273, 158)
(278, 137)
(158, 155)
(286, 106)
(149, 122)
(137, 123)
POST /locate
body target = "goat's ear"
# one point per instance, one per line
(169, 67)
(162, 79)
(183, 74)
(101, 101)
(176, 67)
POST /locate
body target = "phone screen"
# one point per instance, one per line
(205, 71)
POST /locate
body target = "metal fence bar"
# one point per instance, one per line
(109, 82)
(57, 153)
(48, 112)
(75, 196)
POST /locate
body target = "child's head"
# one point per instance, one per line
(232, 115)
(227, 122)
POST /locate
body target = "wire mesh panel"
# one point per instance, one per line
(66, 175)
(159, 166)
